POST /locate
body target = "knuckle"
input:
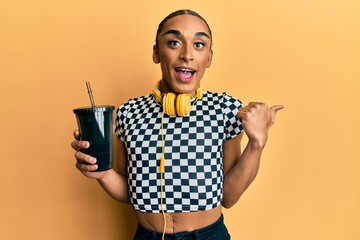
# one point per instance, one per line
(79, 166)
(76, 145)
(73, 144)
(84, 167)
(88, 159)
(256, 107)
(263, 105)
(78, 155)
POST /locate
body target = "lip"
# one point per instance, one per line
(184, 74)
(184, 69)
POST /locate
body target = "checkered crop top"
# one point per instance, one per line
(193, 177)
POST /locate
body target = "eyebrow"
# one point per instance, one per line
(178, 33)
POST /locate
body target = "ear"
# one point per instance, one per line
(210, 58)
(155, 56)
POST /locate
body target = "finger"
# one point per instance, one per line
(75, 146)
(276, 108)
(242, 112)
(244, 109)
(254, 103)
(85, 167)
(76, 134)
(240, 116)
(84, 158)
(258, 105)
(78, 145)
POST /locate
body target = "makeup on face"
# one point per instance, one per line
(184, 52)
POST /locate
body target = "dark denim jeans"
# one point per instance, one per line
(215, 231)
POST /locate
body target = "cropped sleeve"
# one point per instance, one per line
(230, 107)
(120, 122)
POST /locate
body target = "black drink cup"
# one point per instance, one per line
(96, 126)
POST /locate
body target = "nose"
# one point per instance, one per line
(186, 53)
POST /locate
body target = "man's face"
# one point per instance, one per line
(184, 52)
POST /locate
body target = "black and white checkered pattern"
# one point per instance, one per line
(193, 175)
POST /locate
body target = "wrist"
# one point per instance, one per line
(257, 143)
(104, 178)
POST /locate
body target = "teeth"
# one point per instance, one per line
(186, 70)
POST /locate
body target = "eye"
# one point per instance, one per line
(199, 44)
(173, 43)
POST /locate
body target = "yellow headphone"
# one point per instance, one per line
(176, 104)
(172, 104)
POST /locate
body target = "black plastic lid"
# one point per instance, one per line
(101, 108)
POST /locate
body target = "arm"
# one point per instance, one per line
(114, 183)
(240, 169)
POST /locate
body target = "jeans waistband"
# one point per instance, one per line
(202, 233)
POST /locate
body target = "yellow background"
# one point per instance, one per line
(302, 54)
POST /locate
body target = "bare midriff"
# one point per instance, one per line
(178, 222)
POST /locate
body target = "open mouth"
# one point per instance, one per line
(185, 70)
(185, 73)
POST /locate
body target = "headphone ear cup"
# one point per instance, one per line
(176, 104)
(169, 103)
(183, 104)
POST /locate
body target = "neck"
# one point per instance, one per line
(164, 87)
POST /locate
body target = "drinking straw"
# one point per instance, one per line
(90, 94)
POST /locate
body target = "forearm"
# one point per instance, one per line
(115, 185)
(242, 174)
